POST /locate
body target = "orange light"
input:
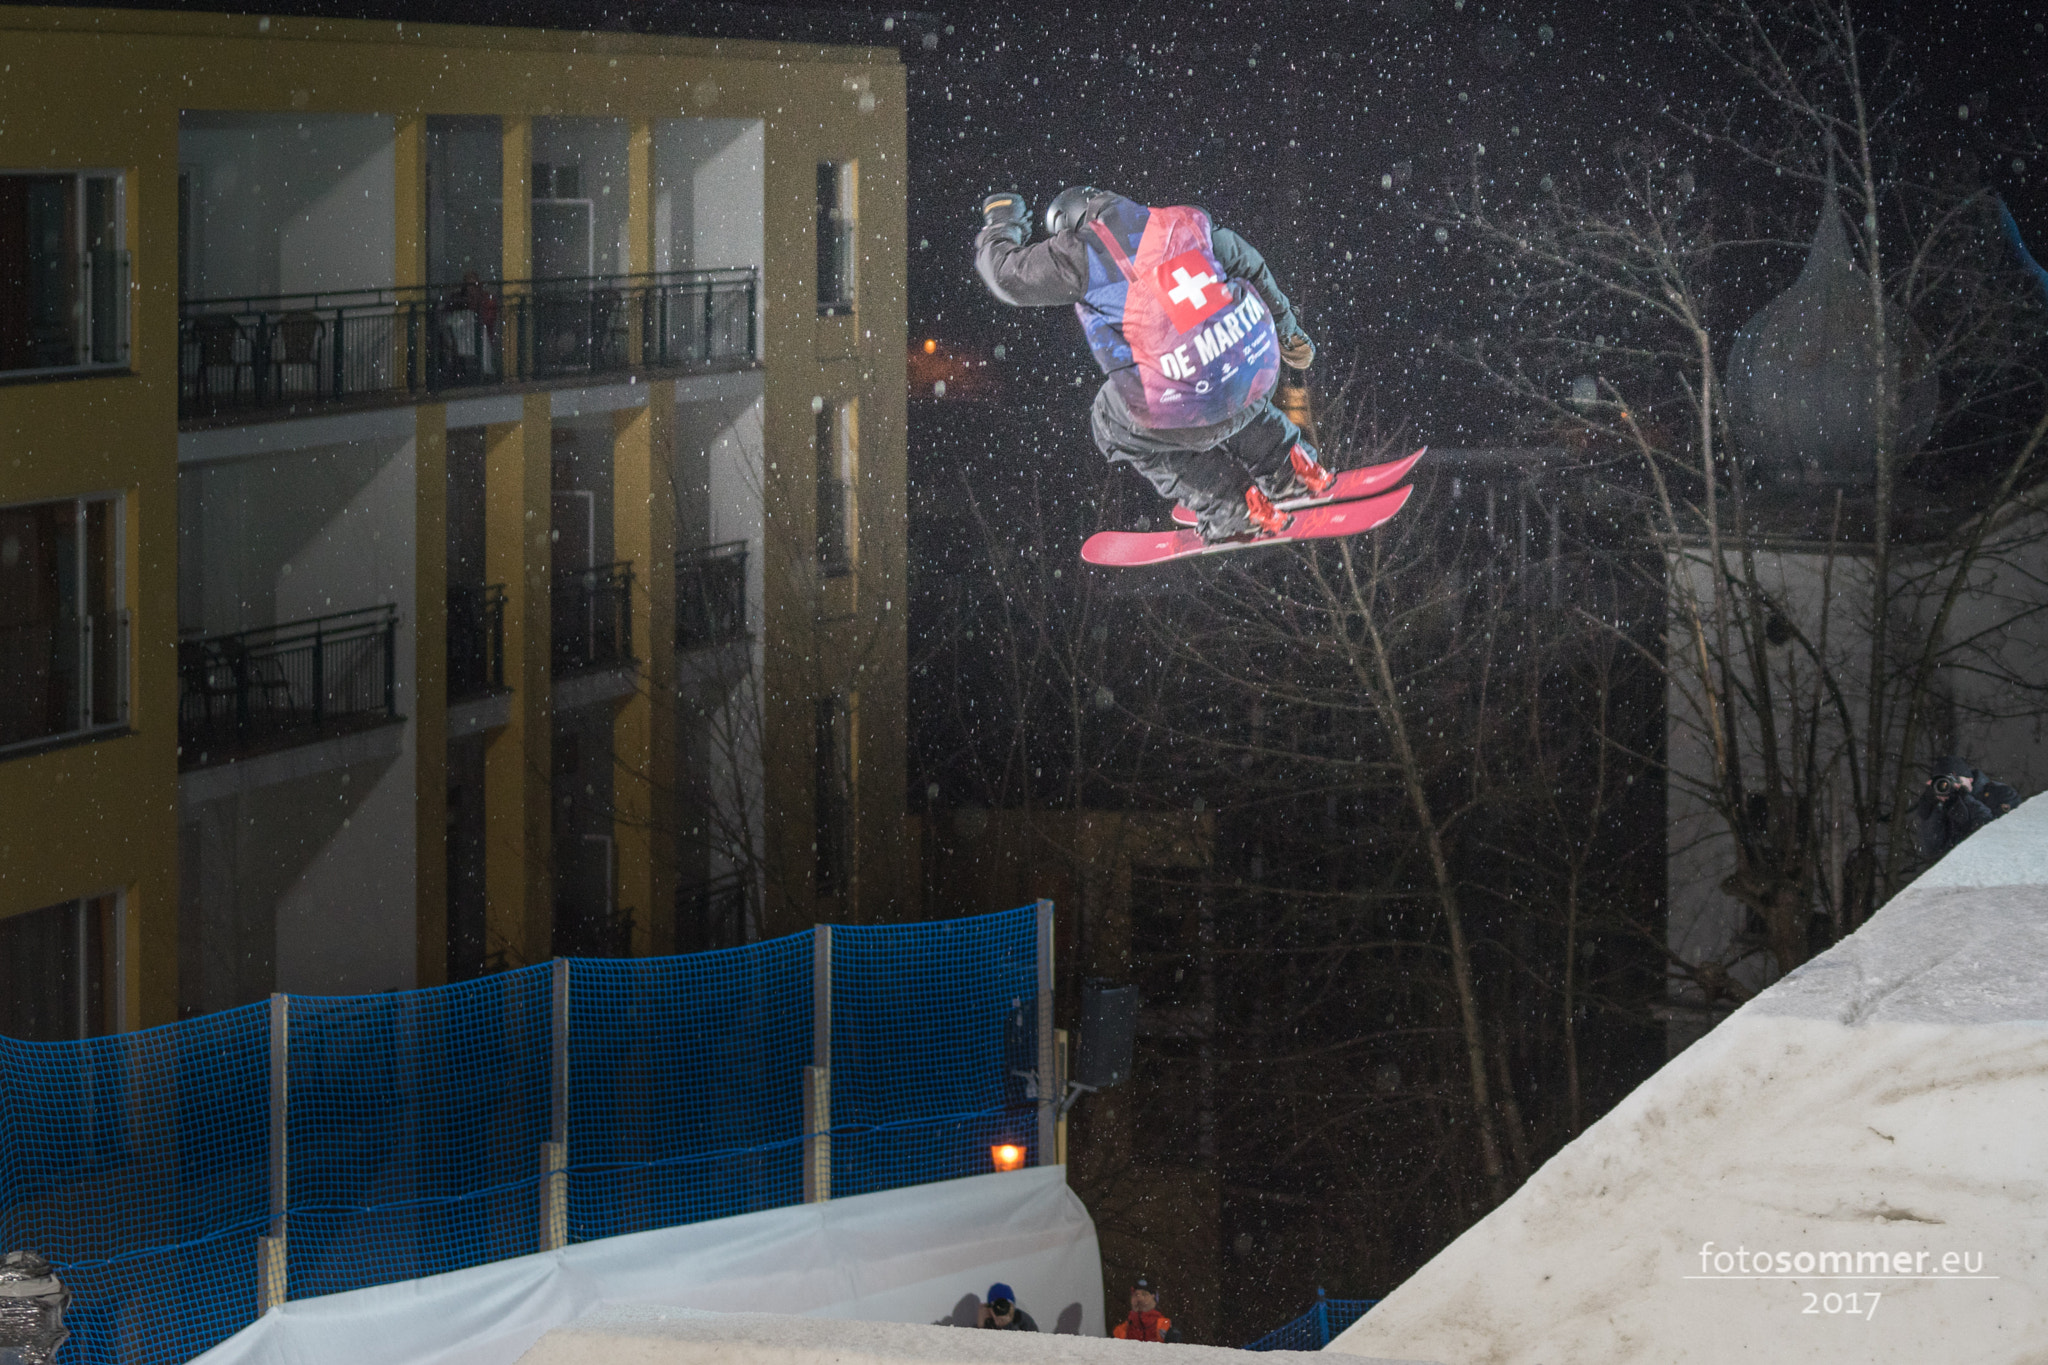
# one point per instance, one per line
(930, 346)
(1007, 1156)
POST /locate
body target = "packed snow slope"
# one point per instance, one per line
(1888, 1099)
(640, 1334)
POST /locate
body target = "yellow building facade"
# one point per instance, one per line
(451, 503)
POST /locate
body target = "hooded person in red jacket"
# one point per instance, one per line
(1189, 329)
(1145, 1322)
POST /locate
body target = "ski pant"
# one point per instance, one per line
(1208, 468)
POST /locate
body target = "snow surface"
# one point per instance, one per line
(641, 1335)
(1889, 1096)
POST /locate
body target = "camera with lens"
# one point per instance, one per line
(1001, 1307)
(1945, 786)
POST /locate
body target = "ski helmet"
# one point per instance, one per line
(1066, 207)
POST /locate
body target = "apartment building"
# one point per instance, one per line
(451, 503)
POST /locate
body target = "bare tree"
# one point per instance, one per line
(1617, 310)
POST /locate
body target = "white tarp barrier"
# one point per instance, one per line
(1875, 1125)
(638, 1335)
(909, 1255)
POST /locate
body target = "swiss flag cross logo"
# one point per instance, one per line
(1191, 290)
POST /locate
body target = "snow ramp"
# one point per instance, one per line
(1852, 1167)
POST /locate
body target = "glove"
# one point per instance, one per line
(1297, 351)
(1007, 209)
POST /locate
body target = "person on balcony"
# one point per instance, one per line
(471, 318)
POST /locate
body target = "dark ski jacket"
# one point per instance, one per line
(1184, 317)
(1944, 824)
(1020, 1321)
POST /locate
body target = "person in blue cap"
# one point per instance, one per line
(1001, 1312)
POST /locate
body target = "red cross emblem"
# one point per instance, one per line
(1191, 290)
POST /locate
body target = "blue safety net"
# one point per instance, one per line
(420, 1127)
(686, 1086)
(416, 1121)
(933, 1028)
(140, 1165)
(1312, 1331)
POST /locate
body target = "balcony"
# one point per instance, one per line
(278, 686)
(298, 353)
(593, 618)
(712, 914)
(476, 641)
(711, 595)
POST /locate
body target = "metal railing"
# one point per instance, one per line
(285, 684)
(712, 914)
(593, 617)
(476, 640)
(310, 350)
(711, 595)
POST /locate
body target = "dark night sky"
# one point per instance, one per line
(1283, 119)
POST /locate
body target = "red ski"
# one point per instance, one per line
(1351, 484)
(1128, 549)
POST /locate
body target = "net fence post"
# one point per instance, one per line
(1061, 1052)
(1048, 1098)
(271, 1261)
(817, 1148)
(554, 1153)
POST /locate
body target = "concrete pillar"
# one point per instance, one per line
(518, 170)
(410, 200)
(518, 873)
(430, 694)
(639, 215)
(643, 726)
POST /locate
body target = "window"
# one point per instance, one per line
(60, 971)
(63, 273)
(63, 628)
(838, 211)
(832, 807)
(838, 451)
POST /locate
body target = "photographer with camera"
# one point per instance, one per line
(1957, 801)
(1002, 1313)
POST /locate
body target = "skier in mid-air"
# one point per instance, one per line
(1188, 324)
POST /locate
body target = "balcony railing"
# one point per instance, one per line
(711, 595)
(593, 618)
(476, 640)
(288, 684)
(310, 350)
(712, 914)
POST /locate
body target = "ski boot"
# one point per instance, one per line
(1304, 476)
(1258, 516)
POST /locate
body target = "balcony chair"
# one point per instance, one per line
(297, 344)
(218, 338)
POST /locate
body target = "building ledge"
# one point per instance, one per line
(595, 686)
(385, 401)
(246, 775)
(478, 714)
